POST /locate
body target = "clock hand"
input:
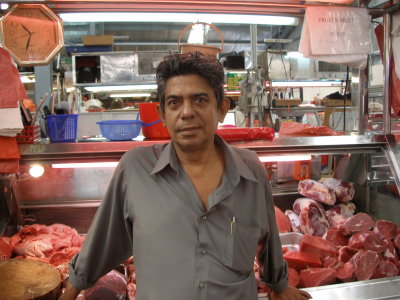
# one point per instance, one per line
(26, 29)
(27, 44)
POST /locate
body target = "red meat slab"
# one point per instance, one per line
(367, 240)
(385, 229)
(317, 245)
(294, 279)
(317, 276)
(300, 260)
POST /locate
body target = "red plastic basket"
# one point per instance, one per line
(29, 135)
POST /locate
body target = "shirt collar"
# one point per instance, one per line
(235, 166)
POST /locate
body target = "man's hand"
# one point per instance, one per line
(291, 293)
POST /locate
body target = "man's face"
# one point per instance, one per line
(191, 114)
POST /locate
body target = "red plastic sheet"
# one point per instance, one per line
(299, 129)
(246, 133)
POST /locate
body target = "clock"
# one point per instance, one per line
(32, 34)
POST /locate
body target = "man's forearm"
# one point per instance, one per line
(70, 292)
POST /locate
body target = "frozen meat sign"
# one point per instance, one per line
(337, 35)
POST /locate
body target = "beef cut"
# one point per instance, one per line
(336, 237)
(390, 253)
(337, 214)
(282, 221)
(111, 286)
(358, 222)
(396, 241)
(317, 276)
(385, 229)
(344, 190)
(385, 269)
(300, 260)
(331, 262)
(317, 191)
(346, 253)
(346, 273)
(312, 216)
(364, 263)
(317, 245)
(367, 240)
(294, 279)
(294, 220)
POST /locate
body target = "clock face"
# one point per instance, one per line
(32, 34)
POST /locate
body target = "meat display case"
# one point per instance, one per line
(70, 195)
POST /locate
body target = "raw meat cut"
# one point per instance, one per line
(346, 273)
(339, 213)
(111, 286)
(358, 222)
(317, 245)
(294, 220)
(385, 229)
(312, 216)
(390, 253)
(282, 221)
(365, 262)
(367, 240)
(38, 248)
(396, 242)
(346, 253)
(385, 269)
(331, 262)
(300, 260)
(5, 249)
(336, 237)
(317, 276)
(317, 191)
(344, 190)
(294, 279)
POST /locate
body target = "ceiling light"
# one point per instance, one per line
(198, 33)
(179, 17)
(4, 6)
(85, 165)
(326, 83)
(121, 88)
(284, 158)
(132, 95)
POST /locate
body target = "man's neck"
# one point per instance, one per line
(198, 157)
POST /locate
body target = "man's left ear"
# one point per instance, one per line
(224, 109)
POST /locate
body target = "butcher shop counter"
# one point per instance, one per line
(70, 194)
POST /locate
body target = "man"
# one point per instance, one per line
(193, 212)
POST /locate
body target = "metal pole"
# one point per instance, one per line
(387, 54)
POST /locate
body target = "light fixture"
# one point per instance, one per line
(132, 95)
(121, 88)
(27, 79)
(321, 83)
(294, 54)
(284, 158)
(197, 34)
(4, 6)
(178, 17)
(36, 171)
(85, 165)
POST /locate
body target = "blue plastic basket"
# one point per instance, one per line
(120, 130)
(62, 128)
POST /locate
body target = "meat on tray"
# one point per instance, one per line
(344, 190)
(317, 191)
(294, 220)
(346, 273)
(385, 229)
(282, 221)
(337, 214)
(318, 245)
(317, 276)
(111, 286)
(336, 237)
(358, 222)
(293, 277)
(312, 216)
(367, 240)
(365, 263)
(300, 260)
(385, 269)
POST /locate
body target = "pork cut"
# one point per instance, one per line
(346, 253)
(358, 222)
(282, 221)
(300, 260)
(367, 240)
(337, 214)
(344, 190)
(312, 216)
(346, 273)
(293, 277)
(364, 263)
(336, 237)
(312, 277)
(294, 220)
(317, 191)
(317, 245)
(385, 229)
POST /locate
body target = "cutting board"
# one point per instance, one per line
(22, 279)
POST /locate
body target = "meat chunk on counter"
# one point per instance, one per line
(312, 216)
(282, 221)
(344, 190)
(317, 276)
(365, 263)
(385, 229)
(337, 214)
(367, 240)
(358, 222)
(317, 191)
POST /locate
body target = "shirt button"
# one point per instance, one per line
(201, 285)
(204, 218)
(203, 251)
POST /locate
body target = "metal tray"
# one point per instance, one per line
(291, 240)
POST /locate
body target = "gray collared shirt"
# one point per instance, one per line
(151, 210)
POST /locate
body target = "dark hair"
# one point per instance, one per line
(206, 66)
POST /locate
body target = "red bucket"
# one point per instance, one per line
(148, 114)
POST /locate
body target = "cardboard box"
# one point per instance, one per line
(97, 40)
(335, 102)
(285, 102)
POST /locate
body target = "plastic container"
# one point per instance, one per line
(62, 128)
(120, 130)
(154, 129)
(29, 135)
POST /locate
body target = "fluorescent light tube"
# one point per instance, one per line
(85, 165)
(334, 83)
(121, 87)
(178, 17)
(133, 95)
(284, 158)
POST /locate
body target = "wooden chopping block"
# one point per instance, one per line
(23, 279)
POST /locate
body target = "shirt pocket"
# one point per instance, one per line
(241, 245)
